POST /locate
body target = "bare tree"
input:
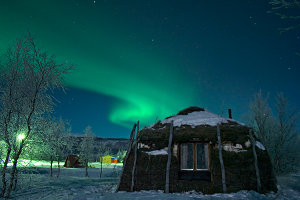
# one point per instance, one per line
(121, 155)
(62, 142)
(261, 118)
(287, 10)
(56, 143)
(286, 135)
(103, 150)
(2, 153)
(87, 148)
(277, 133)
(27, 76)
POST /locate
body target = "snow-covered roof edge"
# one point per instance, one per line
(197, 118)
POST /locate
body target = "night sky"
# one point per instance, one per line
(147, 59)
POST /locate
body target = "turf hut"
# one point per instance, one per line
(184, 153)
(72, 161)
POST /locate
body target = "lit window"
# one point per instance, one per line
(194, 156)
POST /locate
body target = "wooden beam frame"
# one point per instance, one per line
(258, 185)
(135, 157)
(127, 154)
(167, 188)
(221, 159)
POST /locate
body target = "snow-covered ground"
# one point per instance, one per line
(35, 183)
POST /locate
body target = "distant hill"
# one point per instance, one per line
(115, 144)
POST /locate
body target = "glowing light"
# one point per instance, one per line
(21, 136)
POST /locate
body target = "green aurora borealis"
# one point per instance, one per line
(145, 88)
(147, 59)
(145, 85)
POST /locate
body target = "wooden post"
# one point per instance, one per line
(221, 159)
(255, 161)
(169, 159)
(229, 113)
(135, 157)
(127, 154)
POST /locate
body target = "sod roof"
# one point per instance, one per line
(195, 116)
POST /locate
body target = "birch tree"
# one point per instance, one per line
(28, 76)
(102, 150)
(286, 139)
(277, 132)
(87, 148)
(261, 118)
(121, 155)
(288, 11)
(56, 142)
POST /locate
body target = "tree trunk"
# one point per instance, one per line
(86, 168)
(4, 171)
(6, 121)
(167, 188)
(277, 158)
(255, 161)
(221, 159)
(51, 163)
(58, 171)
(101, 161)
(127, 154)
(14, 169)
(135, 158)
(16, 180)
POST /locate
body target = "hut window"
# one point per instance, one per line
(187, 156)
(202, 156)
(194, 156)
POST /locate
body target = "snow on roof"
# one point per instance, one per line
(157, 152)
(77, 134)
(198, 118)
(260, 145)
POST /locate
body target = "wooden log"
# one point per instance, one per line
(255, 161)
(167, 189)
(221, 159)
(127, 154)
(135, 157)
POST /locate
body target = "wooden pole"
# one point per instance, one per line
(221, 159)
(167, 189)
(127, 154)
(229, 113)
(255, 161)
(135, 157)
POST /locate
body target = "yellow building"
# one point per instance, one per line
(108, 159)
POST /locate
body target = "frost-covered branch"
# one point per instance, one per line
(27, 76)
(287, 10)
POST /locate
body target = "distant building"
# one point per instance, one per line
(72, 161)
(114, 144)
(108, 159)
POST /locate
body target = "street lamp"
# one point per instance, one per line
(21, 136)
